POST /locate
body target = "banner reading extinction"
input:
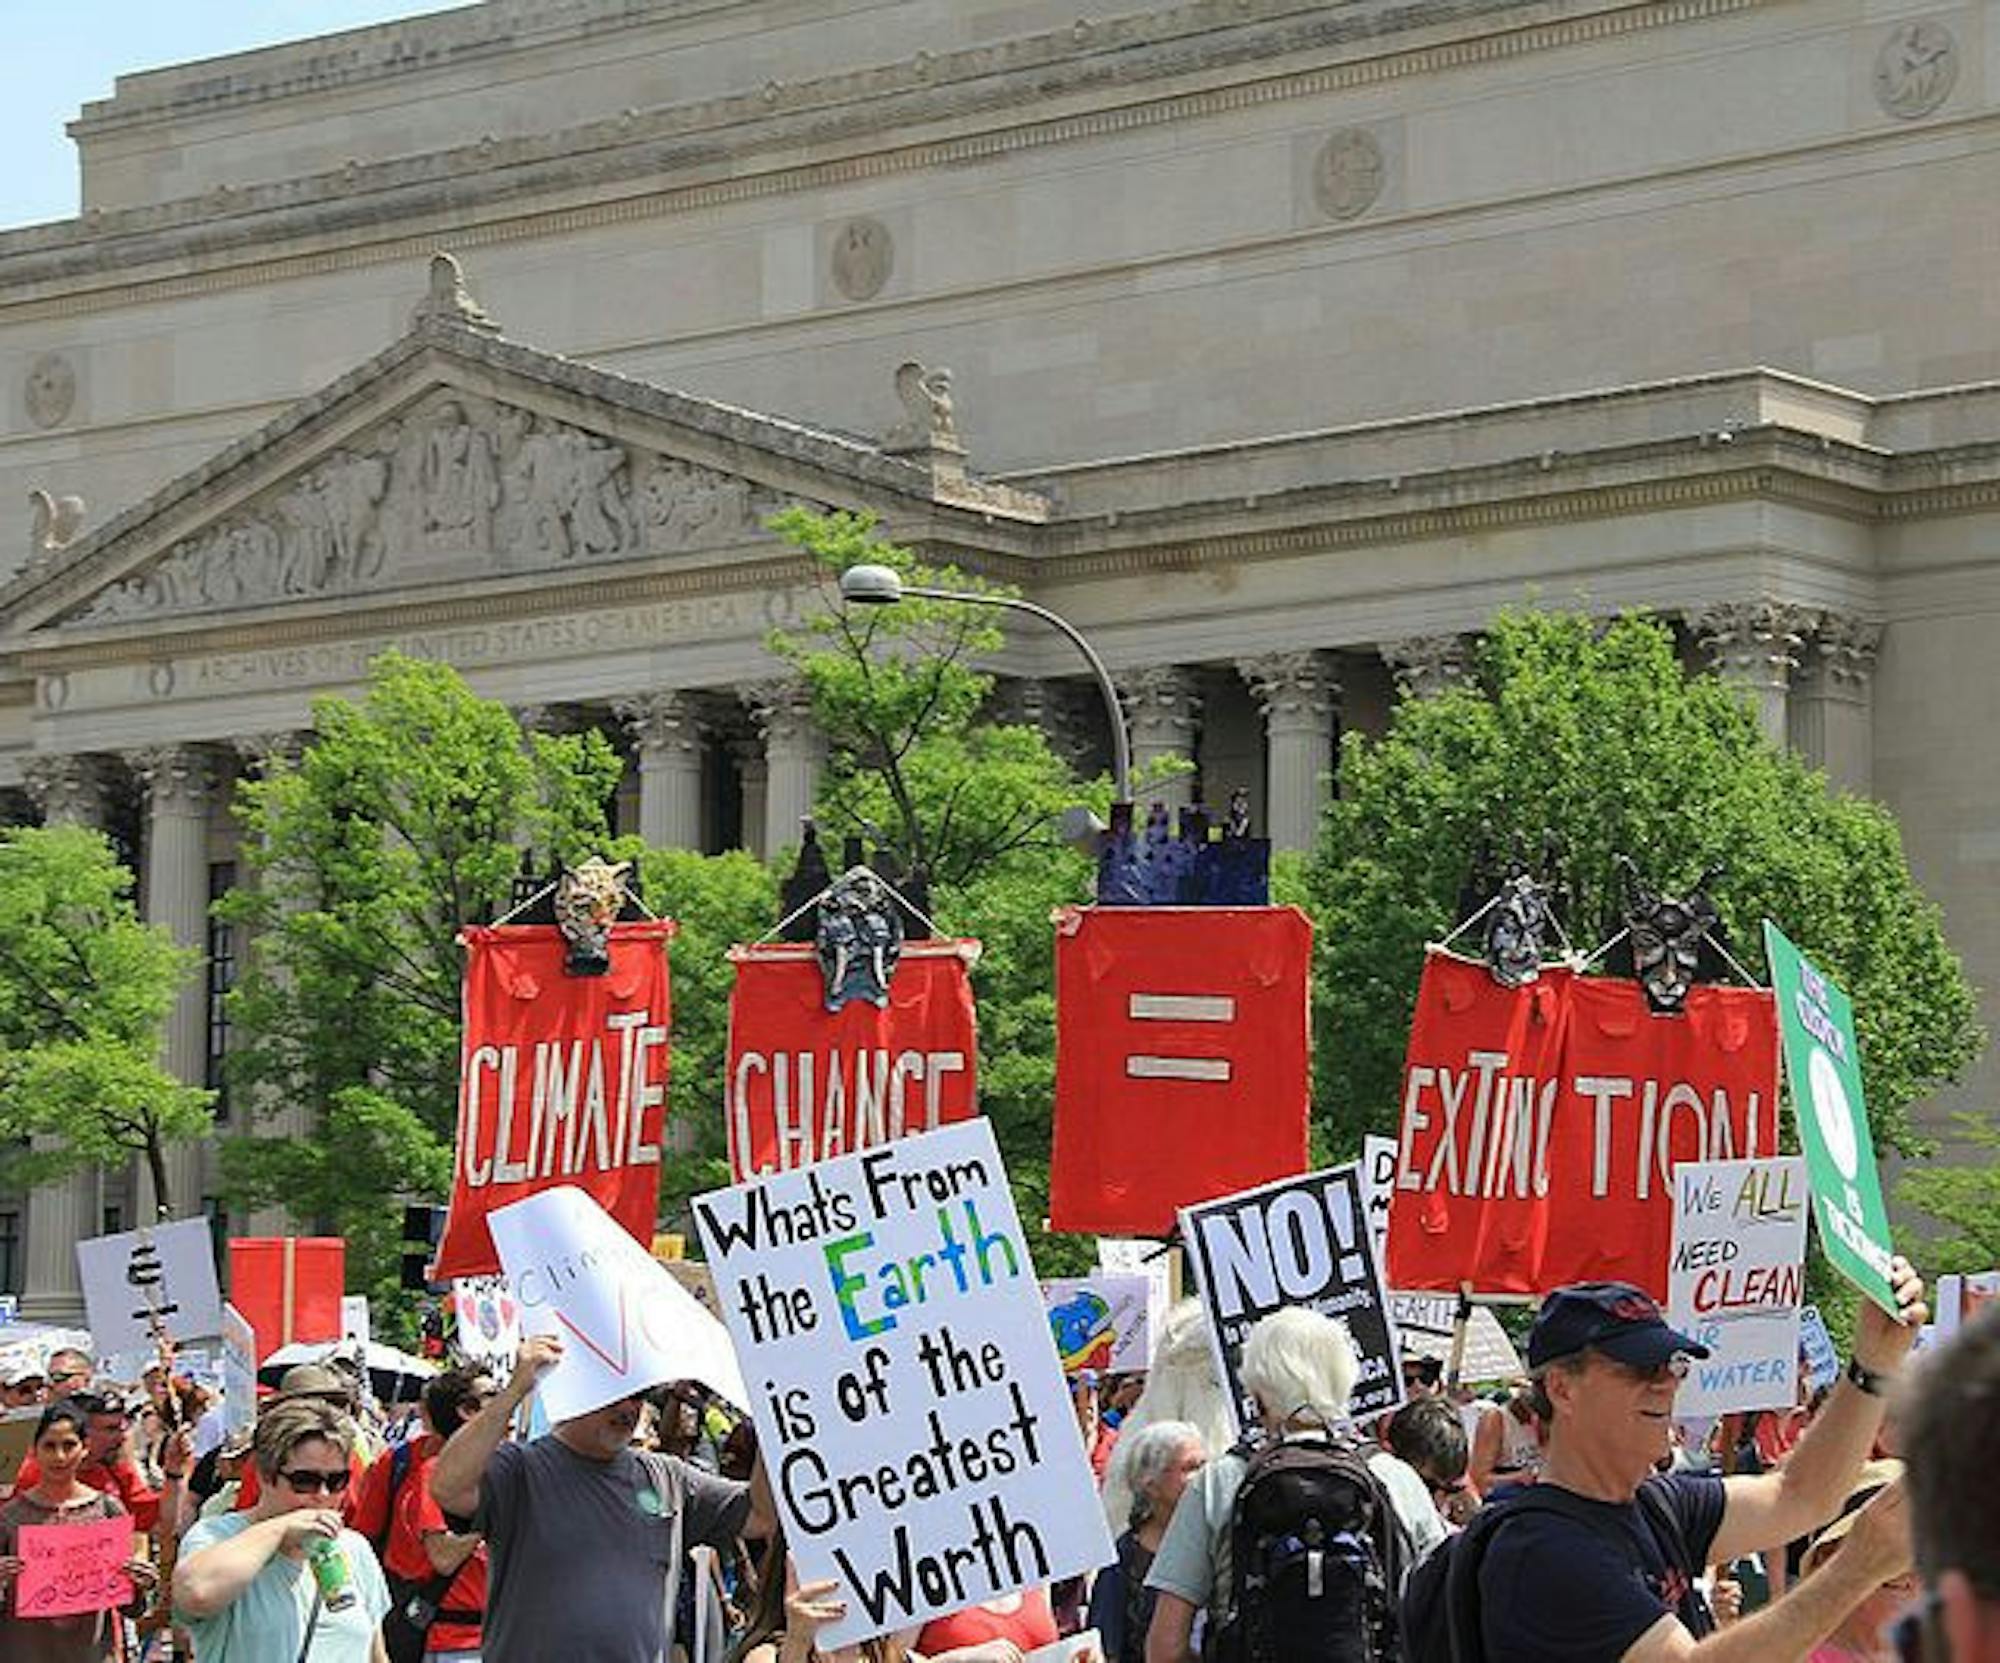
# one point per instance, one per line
(914, 1421)
(1541, 1125)
(562, 1080)
(808, 1084)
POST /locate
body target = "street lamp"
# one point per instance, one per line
(884, 586)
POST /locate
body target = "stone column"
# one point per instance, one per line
(1162, 715)
(1832, 711)
(1427, 664)
(180, 784)
(1051, 704)
(1754, 645)
(794, 753)
(1298, 695)
(746, 750)
(71, 790)
(17, 808)
(667, 731)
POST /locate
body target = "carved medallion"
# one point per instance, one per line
(1915, 69)
(1348, 174)
(51, 390)
(863, 254)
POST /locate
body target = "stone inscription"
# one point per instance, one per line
(461, 488)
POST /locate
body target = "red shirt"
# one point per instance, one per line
(417, 1515)
(370, 1500)
(1031, 1624)
(114, 1478)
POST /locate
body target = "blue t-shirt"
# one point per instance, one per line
(1561, 1589)
(267, 1621)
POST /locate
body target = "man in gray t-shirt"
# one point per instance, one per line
(584, 1533)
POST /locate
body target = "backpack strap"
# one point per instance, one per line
(1468, 1559)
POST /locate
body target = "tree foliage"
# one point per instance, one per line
(85, 992)
(1600, 736)
(1961, 1201)
(407, 815)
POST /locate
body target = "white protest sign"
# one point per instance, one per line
(175, 1261)
(489, 1322)
(1137, 1256)
(1378, 1183)
(1425, 1327)
(1101, 1322)
(909, 1407)
(239, 1372)
(355, 1326)
(625, 1324)
(1736, 1279)
(1300, 1241)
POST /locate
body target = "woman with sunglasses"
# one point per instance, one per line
(244, 1588)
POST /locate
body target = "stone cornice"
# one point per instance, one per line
(352, 214)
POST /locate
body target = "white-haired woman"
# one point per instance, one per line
(1160, 1458)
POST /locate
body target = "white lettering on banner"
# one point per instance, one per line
(812, 1097)
(1179, 1007)
(1287, 1249)
(1498, 1143)
(586, 1105)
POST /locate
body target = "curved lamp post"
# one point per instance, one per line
(883, 586)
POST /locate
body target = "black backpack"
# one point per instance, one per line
(1440, 1615)
(1318, 1557)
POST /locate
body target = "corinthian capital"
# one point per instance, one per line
(668, 721)
(1755, 643)
(70, 788)
(1161, 704)
(782, 709)
(1842, 656)
(1426, 664)
(1293, 689)
(178, 778)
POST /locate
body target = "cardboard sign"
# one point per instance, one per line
(488, 1322)
(1817, 1355)
(699, 1281)
(1182, 1060)
(1823, 1068)
(562, 1081)
(72, 1568)
(1104, 1323)
(1541, 1125)
(288, 1288)
(17, 1437)
(916, 1426)
(625, 1324)
(1737, 1280)
(113, 1269)
(239, 1372)
(1300, 1242)
(806, 1084)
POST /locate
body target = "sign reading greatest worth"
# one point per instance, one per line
(1823, 1066)
(562, 1080)
(905, 1388)
(1301, 1241)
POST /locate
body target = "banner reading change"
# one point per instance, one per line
(903, 1380)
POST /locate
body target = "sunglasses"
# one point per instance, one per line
(1674, 1368)
(307, 1482)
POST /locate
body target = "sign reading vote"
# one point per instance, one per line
(1823, 1067)
(72, 1568)
(1736, 1280)
(908, 1402)
(168, 1269)
(1304, 1241)
(625, 1324)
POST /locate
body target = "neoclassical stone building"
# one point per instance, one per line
(1287, 341)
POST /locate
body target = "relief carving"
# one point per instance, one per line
(1915, 69)
(50, 390)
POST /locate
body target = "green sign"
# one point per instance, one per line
(1823, 1064)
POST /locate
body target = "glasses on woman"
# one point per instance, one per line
(308, 1481)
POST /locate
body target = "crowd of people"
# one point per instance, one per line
(1567, 1517)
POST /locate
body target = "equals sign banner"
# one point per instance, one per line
(1178, 1007)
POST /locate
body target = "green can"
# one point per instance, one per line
(331, 1571)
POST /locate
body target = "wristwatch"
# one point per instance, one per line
(1866, 1379)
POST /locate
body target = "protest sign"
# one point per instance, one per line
(625, 1324)
(71, 1568)
(487, 1321)
(1084, 1645)
(1101, 1322)
(1427, 1325)
(1303, 1241)
(172, 1264)
(239, 1372)
(1378, 1188)
(808, 1084)
(1823, 1068)
(1956, 1299)
(1541, 1125)
(355, 1325)
(909, 1406)
(17, 1437)
(1818, 1357)
(562, 1080)
(288, 1287)
(1181, 1060)
(1736, 1280)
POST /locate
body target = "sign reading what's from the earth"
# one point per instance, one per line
(903, 1380)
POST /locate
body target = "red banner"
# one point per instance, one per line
(562, 1080)
(1182, 1057)
(288, 1288)
(1541, 1125)
(807, 1084)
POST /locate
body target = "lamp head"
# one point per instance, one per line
(871, 586)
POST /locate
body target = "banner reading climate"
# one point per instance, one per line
(1541, 1125)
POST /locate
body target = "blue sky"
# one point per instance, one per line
(62, 53)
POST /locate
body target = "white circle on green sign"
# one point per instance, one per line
(1836, 1119)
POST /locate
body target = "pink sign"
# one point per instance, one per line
(68, 1568)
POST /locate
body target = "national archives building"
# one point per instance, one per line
(1285, 343)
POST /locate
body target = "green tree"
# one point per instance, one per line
(1961, 1201)
(408, 814)
(85, 992)
(1600, 736)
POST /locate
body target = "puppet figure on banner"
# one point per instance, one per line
(908, 1398)
(563, 1064)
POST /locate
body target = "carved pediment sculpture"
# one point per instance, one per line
(457, 487)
